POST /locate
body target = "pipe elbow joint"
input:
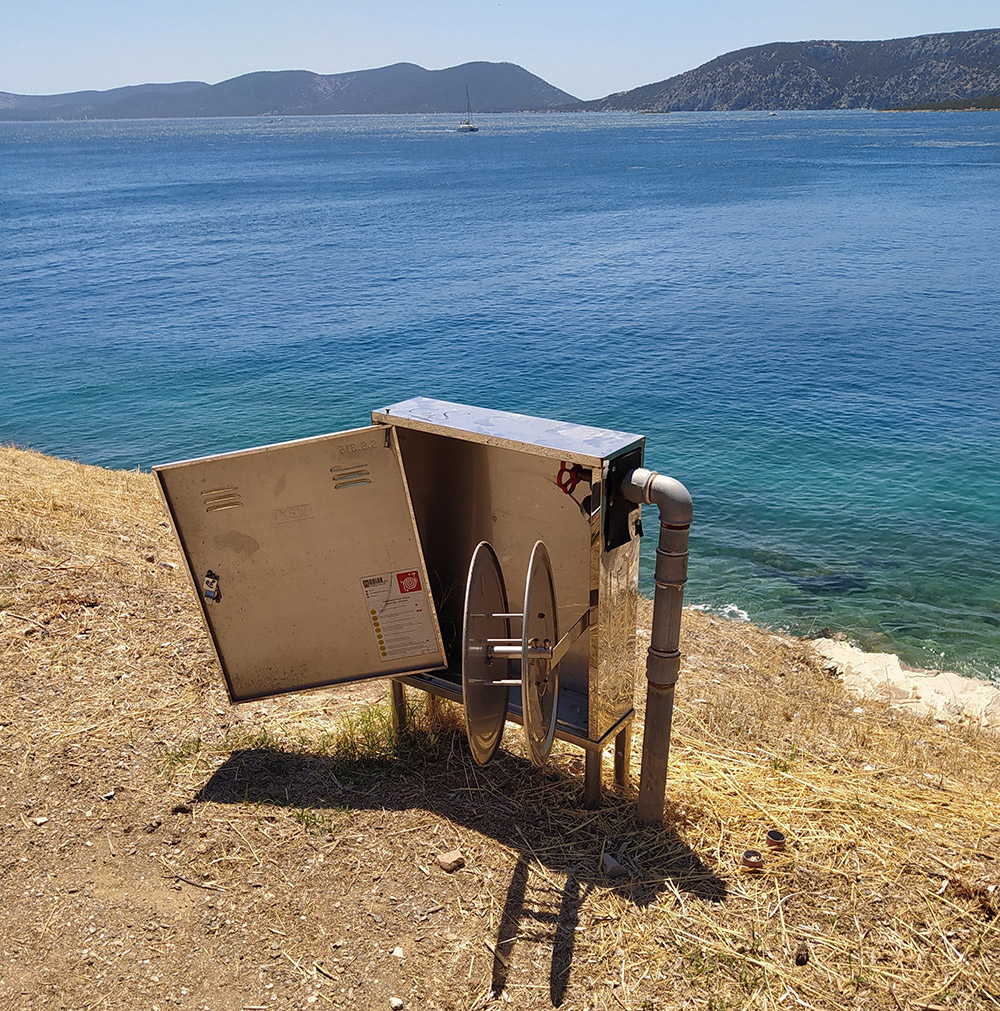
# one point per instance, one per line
(666, 493)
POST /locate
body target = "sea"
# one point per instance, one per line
(800, 311)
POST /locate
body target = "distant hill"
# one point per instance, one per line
(400, 88)
(828, 75)
(91, 102)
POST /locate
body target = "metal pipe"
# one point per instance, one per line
(663, 658)
(519, 653)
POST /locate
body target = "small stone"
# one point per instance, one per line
(40, 821)
(396, 1003)
(611, 868)
(450, 861)
(398, 952)
(108, 795)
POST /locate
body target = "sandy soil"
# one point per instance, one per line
(161, 849)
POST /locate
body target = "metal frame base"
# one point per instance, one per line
(436, 686)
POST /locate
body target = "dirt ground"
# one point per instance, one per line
(160, 848)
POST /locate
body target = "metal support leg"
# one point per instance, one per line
(623, 753)
(592, 779)
(398, 699)
(433, 709)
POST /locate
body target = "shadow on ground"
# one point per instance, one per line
(534, 812)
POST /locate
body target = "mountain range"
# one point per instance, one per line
(925, 69)
(956, 67)
(400, 88)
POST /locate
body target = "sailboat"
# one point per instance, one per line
(467, 126)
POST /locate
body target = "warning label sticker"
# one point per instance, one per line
(399, 613)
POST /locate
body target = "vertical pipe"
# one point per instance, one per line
(663, 658)
(655, 751)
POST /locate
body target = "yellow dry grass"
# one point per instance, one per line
(281, 854)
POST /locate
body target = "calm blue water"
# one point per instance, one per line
(799, 311)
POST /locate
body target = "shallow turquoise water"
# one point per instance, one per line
(799, 312)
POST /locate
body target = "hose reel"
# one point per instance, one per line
(489, 650)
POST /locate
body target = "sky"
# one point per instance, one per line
(585, 47)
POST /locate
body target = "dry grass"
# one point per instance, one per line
(160, 848)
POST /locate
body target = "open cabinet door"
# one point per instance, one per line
(306, 562)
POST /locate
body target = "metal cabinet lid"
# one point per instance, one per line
(557, 440)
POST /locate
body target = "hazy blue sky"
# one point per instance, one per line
(586, 47)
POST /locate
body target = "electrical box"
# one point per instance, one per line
(511, 480)
(467, 552)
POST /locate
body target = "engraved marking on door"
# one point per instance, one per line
(361, 446)
(289, 514)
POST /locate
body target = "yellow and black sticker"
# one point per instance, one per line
(400, 614)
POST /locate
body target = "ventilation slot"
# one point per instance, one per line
(350, 477)
(221, 498)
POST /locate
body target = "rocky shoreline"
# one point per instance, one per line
(948, 697)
